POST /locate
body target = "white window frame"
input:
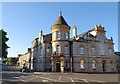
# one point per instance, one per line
(94, 64)
(82, 64)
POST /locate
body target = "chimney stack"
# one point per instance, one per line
(74, 32)
(40, 35)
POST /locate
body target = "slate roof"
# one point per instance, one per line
(60, 21)
(47, 38)
(85, 34)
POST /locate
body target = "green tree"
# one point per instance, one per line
(3, 45)
(9, 60)
(12, 60)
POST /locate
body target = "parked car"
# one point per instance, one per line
(24, 69)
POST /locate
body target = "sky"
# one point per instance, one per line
(23, 20)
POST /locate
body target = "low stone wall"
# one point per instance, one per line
(10, 68)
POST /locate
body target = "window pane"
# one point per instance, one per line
(102, 50)
(93, 64)
(81, 50)
(66, 50)
(82, 64)
(92, 50)
(66, 35)
(101, 38)
(110, 51)
(57, 34)
(58, 50)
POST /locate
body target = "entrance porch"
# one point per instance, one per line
(57, 62)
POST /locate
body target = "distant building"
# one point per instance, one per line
(25, 59)
(90, 51)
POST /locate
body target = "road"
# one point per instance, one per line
(16, 77)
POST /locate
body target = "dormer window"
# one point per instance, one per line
(57, 34)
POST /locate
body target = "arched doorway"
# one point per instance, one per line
(104, 65)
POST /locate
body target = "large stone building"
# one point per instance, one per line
(90, 51)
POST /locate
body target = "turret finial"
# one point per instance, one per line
(60, 13)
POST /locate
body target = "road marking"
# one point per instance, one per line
(97, 81)
(32, 78)
(50, 79)
(45, 81)
(72, 80)
(16, 77)
(60, 78)
(85, 81)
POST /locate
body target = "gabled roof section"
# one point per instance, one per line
(85, 34)
(60, 20)
(47, 38)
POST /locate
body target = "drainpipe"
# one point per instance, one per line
(71, 56)
(88, 54)
(45, 58)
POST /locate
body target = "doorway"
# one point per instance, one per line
(104, 65)
(58, 66)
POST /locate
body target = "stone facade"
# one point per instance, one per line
(25, 59)
(90, 51)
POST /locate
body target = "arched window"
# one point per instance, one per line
(93, 64)
(102, 48)
(57, 34)
(81, 50)
(66, 49)
(92, 50)
(58, 49)
(82, 64)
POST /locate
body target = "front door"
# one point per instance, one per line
(104, 66)
(58, 67)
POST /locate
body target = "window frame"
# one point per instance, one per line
(57, 34)
(94, 64)
(81, 49)
(58, 49)
(92, 50)
(82, 64)
(66, 35)
(66, 49)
